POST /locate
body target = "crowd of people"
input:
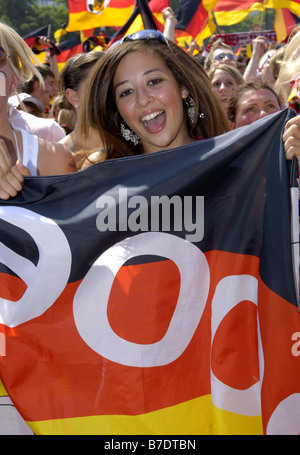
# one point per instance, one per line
(171, 97)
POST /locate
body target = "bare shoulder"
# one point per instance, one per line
(93, 158)
(54, 158)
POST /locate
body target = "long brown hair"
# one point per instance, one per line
(100, 110)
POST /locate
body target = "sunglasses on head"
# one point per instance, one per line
(3, 57)
(224, 56)
(144, 35)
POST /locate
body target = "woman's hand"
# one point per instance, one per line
(291, 138)
(11, 177)
(13, 182)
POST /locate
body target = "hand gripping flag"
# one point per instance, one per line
(156, 294)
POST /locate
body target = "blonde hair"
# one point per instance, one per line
(21, 58)
(289, 67)
(234, 72)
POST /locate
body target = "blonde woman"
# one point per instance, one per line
(17, 145)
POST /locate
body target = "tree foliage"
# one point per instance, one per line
(27, 15)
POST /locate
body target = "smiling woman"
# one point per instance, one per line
(147, 94)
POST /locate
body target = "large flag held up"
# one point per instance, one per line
(30, 38)
(155, 294)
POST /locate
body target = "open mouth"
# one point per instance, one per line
(154, 121)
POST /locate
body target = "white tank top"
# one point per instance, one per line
(30, 150)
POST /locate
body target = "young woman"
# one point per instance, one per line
(17, 145)
(225, 80)
(72, 81)
(147, 94)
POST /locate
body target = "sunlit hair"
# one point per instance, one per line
(75, 71)
(21, 58)
(234, 72)
(100, 110)
(289, 66)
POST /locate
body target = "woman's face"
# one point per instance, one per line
(254, 105)
(150, 101)
(224, 84)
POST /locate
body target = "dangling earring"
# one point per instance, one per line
(190, 108)
(129, 135)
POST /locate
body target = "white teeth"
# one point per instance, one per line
(151, 116)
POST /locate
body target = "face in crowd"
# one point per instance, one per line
(149, 98)
(254, 105)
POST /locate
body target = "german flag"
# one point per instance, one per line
(68, 48)
(177, 313)
(194, 21)
(84, 15)
(292, 5)
(229, 12)
(31, 37)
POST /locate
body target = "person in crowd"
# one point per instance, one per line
(242, 60)
(44, 92)
(259, 48)
(67, 120)
(271, 67)
(225, 80)
(146, 94)
(27, 103)
(55, 107)
(17, 145)
(252, 101)
(220, 53)
(45, 128)
(289, 73)
(170, 23)
(72, 83)
(41, 83)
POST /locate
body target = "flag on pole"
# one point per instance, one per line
(87, 14)
(194, 20)
(156, 294)
(151, 16)
(30, 38)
